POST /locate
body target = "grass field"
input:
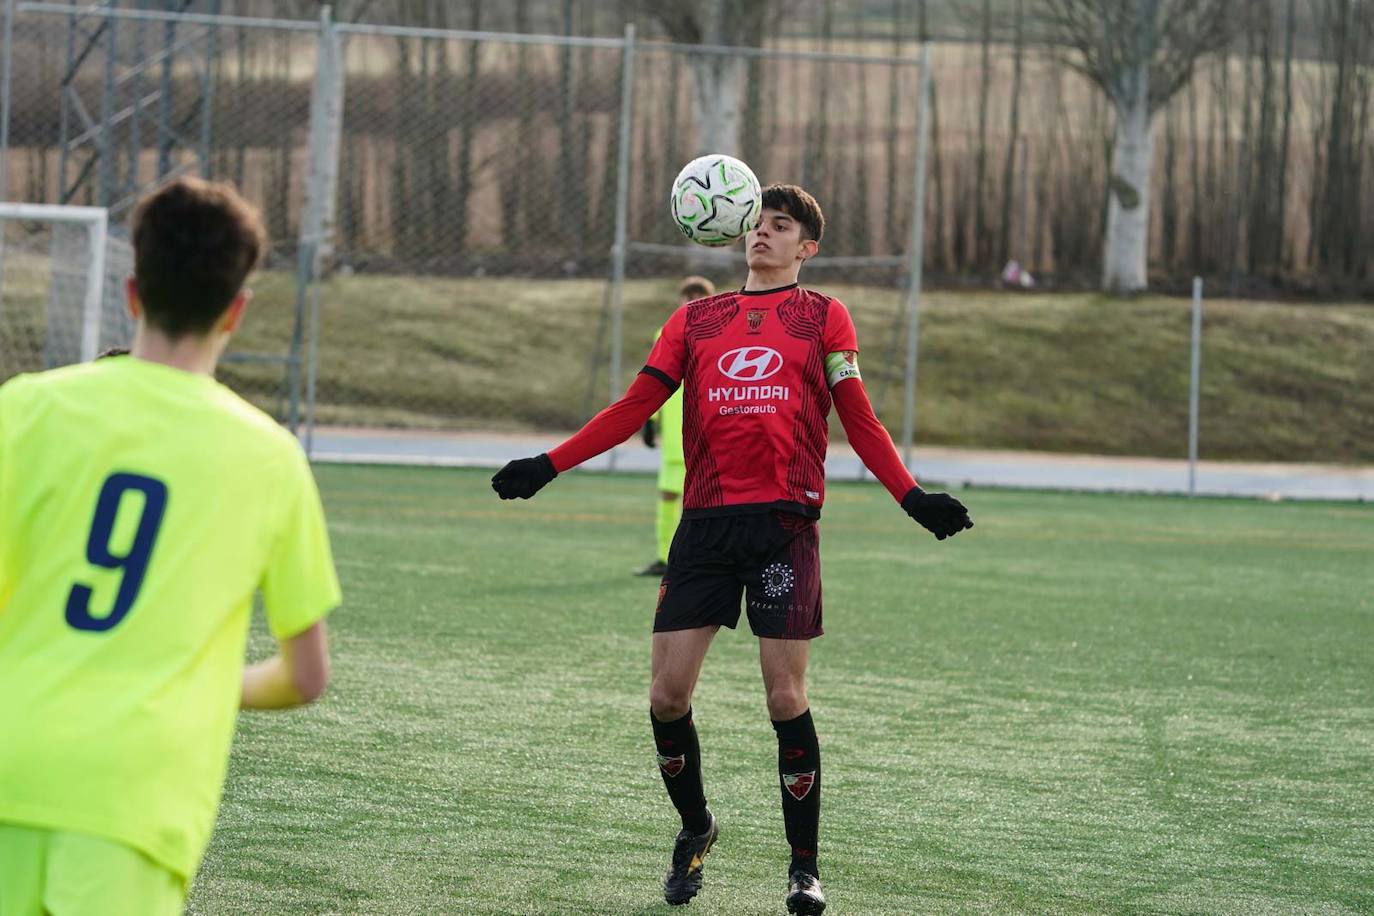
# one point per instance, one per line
(1087, 704)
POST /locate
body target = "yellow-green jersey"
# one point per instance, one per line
(141, 507)
(672, 469)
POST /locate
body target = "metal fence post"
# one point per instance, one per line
(326, 123)
(622, 214)
(207, 92)
(6, 56)
(917, 254)
(6, 59)
(1195, 381)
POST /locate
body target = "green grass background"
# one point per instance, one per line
(1057, 372)
(1087, 704)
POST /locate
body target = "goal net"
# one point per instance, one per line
(61, 286)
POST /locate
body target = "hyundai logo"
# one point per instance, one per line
(750, 364)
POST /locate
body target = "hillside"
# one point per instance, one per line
(1075, 373)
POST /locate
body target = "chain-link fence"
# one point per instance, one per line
(444, 209)
(468, 195)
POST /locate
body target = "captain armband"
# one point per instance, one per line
(841, 365)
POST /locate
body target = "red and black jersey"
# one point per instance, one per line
(755, 396)
(759, 371)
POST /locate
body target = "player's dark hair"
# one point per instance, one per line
(112, 351)
(696, 287)
(797, 203)
(195, 243)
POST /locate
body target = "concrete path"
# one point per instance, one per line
(949, 466)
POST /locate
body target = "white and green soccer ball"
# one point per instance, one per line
(716, 200)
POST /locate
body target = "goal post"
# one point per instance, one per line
(61, 273)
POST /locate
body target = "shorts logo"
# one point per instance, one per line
(662, 590)
(671, 766)
(798, 785)
(777, 580)
(750, 364)
(755, 318)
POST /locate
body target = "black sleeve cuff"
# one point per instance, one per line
(911, 496)
(661, 376)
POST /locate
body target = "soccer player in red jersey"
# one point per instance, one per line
(760, 369)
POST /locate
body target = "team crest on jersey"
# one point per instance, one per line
(798, 785)
(672, 766)
(755, 318)
(777, 580)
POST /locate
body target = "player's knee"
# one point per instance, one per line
(786, 701)
(669, 701)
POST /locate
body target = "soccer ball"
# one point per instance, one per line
(716, 200)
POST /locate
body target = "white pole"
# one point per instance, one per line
(1194, 385)
(917, 253)
(622, 215)
(327, 139)
(95, 287)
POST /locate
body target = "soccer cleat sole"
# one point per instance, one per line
(806, 907)
(805, 897)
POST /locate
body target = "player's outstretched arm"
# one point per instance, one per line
(524, 477)
(939, 513)
(296, 675)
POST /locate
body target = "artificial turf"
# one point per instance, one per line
(1086, 704)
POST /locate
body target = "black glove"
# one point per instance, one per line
(650, 433)
(939, 513)
(523, 477)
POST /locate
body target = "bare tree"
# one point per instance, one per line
(980, 210)
(717, 80)
(1140, 53)
(1009, 176)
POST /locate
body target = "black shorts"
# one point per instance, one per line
(771, 559)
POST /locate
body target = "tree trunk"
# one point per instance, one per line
(1282, 221)
(894, 89)
(463, 191)
(1195, 213)
(817, 173)
(717, 103)
(980, 216)
(1128, 207)
(1004, 249)
(717, 81)
(856, 210)
(1168, 209)
(567, 202)
(1264, 194)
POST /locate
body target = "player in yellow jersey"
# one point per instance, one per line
(142, 505)
(664, 430)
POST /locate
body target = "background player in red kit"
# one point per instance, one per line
(760, 369)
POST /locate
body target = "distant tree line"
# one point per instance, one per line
(460, 156)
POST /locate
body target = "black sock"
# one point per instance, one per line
(799, 772)
(679, 761)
